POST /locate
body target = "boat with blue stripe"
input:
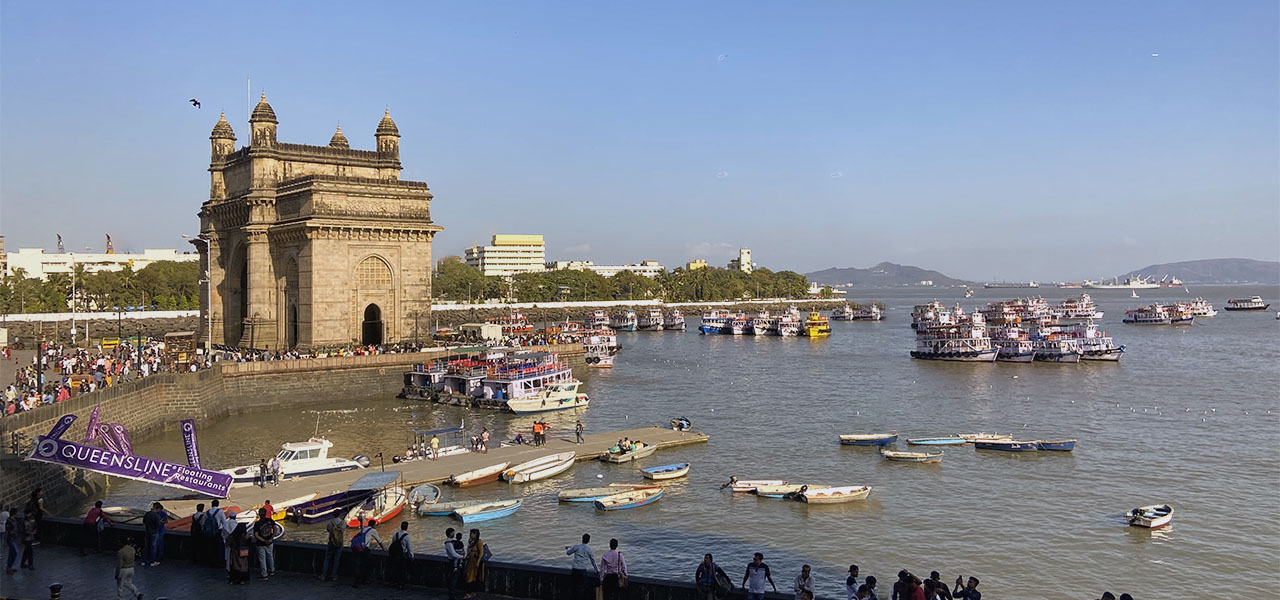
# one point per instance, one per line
(939, 441)
(1058, 445)
(666, 471)
(632, 499)
(1008, 445)
(869, 439)
(487, 511)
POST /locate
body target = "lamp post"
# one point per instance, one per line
(73, 297)
(208, 285)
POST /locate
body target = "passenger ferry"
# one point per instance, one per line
(927, 314)
(1011, 285)
(1054, 348)
(739, 324)
(674, 321)
(1012, 344)
(297, 459)
(598, 320)
(624, 321)
(763, 323)
(515, 323)
(816, 325)
(1197, 307)
(842, 313)
(870, 312)
(788, 325)
(1254, 303)
(1077, 309)
(1094, 344)
(651, 321)
(964, 340)
(1152, 315)
(716, 321)
(600, 348)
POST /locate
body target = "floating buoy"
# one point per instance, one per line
(1015, 376)
(599, 476)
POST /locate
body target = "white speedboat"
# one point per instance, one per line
(540, 468)
(297, 459)
(560, 395)
(1150, 516)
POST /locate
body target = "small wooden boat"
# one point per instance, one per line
(666, 471)
(746, 486)
(916, 457)
(444, 509)
(869, 439)
(1058, 445)
(938, 441)
(621, 457)
(322, 509)
(596, 493)
(631, 499)
(832, 495)
(383, 505)
(1151, 516)
(281, 509)
(778, 491)
(423, 495)
(540, 468)
(1008, 445)
(983, 437)
(487, 474)
(487, 510)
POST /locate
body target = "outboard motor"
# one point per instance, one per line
(361, 460)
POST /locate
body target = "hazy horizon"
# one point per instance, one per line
(1009, 141)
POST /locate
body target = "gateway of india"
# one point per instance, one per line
(312, 246)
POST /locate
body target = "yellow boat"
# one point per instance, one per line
(816, 325)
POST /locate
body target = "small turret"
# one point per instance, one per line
(338, 140)
(263, 123)
(388, 136)
(223, 138)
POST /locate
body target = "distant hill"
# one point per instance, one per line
(885, 274)
(1217, 270)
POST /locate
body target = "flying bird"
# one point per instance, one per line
(194, 102)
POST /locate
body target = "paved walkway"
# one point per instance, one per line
(92, 577)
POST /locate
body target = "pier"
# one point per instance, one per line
(435, 471)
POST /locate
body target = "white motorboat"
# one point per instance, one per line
(746, 486)
(297, 459)
(540, 468)
(559, 395)
(1150, 516)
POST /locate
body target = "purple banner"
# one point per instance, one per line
(91, 434)
(122, 438)
(108, 439)
(141, 468)
(63, 425)
(189, 441)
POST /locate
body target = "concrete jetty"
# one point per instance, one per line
(435, 471)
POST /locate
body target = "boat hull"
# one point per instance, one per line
(819, 496)
(937, 441)
(479, 476)
(524, 407)
(666, 472)
(610, 457)
(1151, 516)
(913, 457)
(974, 356)
(1057, 357)
(540, 469)
(875, 441)
(1016, 357)
(1058, 445)
(1008, 446)
(487, 511)
(1108, 355)
(635, 499)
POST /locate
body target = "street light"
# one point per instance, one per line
(208, 285)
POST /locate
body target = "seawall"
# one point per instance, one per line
(150, 405)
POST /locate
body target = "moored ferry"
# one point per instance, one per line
(739, 324)
(513, 324)
(870, 312)
(600, 348)
(1054, 348)
(788, 326)
(763, 323)
(716, 321)
(928, 314)
(842, 313)
(1254, 303)
(560, 395)
(651, 321)
(1154, 314)
(1198, 308)
(598, 320)
(1094, 343)
(624, 321)
(816, 325)
(1012, 344)
(964, 340)
(1077, 309)
(674, 321)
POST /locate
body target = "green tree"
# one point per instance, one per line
(458, 281)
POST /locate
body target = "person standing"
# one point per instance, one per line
(212, 525)
(705, 578)
(940, 589)
(473, 567)
(360, 547)
(456, 552)
(28, 533)
(155, 532)
(399, 556)
(851, 583)
(582, 558)
(275, 471)
(238, 558)
(577, 432)
(265, 531)
(613, 572)
(537, 433)
(12, 535)
(262, 473)
(867, 591)
(92, 526)
(756, 576)
(124, 571)
(271, 510)
(970, 591)
(36, 506)
(435, 448)
(337, 530)
(484, 440)
(803, 583)
(197, 535)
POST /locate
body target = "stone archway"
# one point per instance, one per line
(371, 327)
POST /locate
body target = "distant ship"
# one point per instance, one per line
(1010, 285)
(1132, 282)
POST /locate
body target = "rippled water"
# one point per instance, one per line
(1037, 524)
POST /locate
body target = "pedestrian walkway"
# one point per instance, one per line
(93, 577)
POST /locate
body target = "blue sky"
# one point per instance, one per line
(987, 140)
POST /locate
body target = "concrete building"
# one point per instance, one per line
(311, 246)
(35, 262)
(509, 255)
(647, 268)
(743, 262)
(695, 264)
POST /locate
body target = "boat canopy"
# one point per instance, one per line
(374, 481)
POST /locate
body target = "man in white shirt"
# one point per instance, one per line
(804, 584)
(453, 548)
(582, 558)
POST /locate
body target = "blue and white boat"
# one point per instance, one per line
(939, 441)
(869, 439)
(444, 509)
(297, 459)
(666, 471)
(1008, 445)
(487, 511)
(624, 321)
(715, 322)
(632, 499)
(1058, 445)
(596, 493)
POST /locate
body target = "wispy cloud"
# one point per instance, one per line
(712, 250)
(577, 248)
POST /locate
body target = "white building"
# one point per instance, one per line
(36, 263)
(509, 255)
(647, 268)
(743, 262)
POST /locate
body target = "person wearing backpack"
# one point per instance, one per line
(399, 556)
(211, 528)
(360, 545)
(197, 535)
(477, 556)
(337, 529)
(265, 531)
